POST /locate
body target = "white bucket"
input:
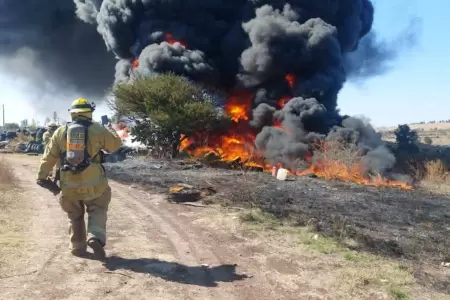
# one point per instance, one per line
(282, 174)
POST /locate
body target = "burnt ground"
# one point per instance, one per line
(413, 226)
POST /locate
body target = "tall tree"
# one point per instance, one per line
(406, 139)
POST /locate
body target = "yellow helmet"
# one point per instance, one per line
(52, 125)
(81, 105)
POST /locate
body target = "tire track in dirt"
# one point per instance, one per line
(207, 248)
(156, 254)
(192, 250)
(182, 246)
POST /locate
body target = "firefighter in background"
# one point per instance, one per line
(39, 135)
(83, 183)
(51, 128)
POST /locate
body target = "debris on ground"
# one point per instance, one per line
(184, 193)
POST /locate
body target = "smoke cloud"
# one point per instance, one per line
(55, 52)
(251, 44)
(67, 51)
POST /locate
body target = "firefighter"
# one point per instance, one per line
(51, 128)
(39, 135)
(83, 183)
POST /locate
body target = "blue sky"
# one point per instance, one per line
(416, 89)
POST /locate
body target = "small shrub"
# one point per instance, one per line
(428, 140)
(435, 171)
(434, 176)
(398, 294)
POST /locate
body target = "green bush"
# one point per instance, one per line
(169, 107)
(428, 140)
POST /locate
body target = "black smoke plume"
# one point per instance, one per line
(45, 43)
(251, 44)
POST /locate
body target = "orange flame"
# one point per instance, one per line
(290, 78)
(337, 170)
(282, 102)
(135, 63)
(238, 145)
(122, 130)
(169, 39)
(238, 105)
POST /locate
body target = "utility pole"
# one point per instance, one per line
(3, 109)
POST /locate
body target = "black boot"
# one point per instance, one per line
(97, 247)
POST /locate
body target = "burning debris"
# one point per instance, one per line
(124, 131)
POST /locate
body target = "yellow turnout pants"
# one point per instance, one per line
(97, 216)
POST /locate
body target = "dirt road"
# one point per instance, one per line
(159, 250)
(156, 251)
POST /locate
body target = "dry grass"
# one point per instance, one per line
(436, 171)
(435, 177)
(333, 160)
(12, 220)
(353, 274)
(6, 176)
(20, 139)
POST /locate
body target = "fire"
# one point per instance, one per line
(134, 63)
(237, 145)
(336, 170)
(238, 105)
(336, 162)
(282, 102)
(122, 130)
(290, 78)
(169, 39)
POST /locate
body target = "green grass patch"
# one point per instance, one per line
(398, 294)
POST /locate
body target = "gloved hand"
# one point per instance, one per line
(42, 182)
(49, 185)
